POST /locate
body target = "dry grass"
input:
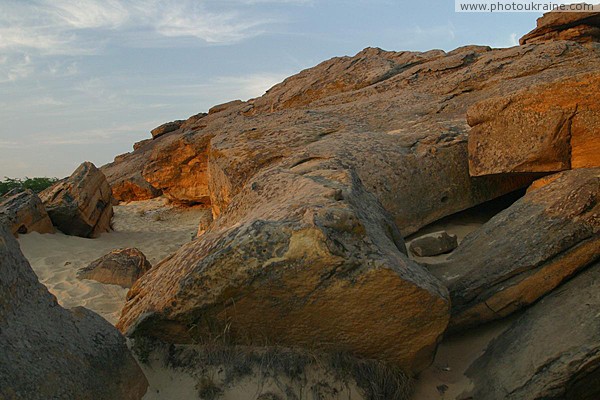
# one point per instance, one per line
(375, 379)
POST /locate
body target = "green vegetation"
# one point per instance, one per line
(35, 184)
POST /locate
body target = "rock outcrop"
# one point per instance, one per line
(433, 244)
(23, 212)
(544, 128)
(303, 256)
(80, 205)
(47, 352)
(580, 27)
(119, 267)
(551, 352)
(526, 251)
(389, 115)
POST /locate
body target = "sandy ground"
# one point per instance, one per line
(159, 229)
(152, 226)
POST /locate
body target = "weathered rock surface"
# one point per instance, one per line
(119, 267)
(80, 205)
(124, 174)
(551, 352)
(545, 128)
(47, 352)
(577, 26)
(166, 128)
(23, 212)
(397, 118)
(178, 167)
(303, 256)
(525, 251)
(433, 244)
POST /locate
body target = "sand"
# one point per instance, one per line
(159, 229)
(152, 226)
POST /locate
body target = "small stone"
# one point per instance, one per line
(433, 244)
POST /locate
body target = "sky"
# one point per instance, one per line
(85, 79)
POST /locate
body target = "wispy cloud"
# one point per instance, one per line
(15, 67)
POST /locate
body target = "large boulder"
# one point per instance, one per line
(581, 27)
(119, 267)
(545, 128)
(80, 205)
(551, 352)
(23, 212)
(525, 251)
(303, 256)
(47, 352)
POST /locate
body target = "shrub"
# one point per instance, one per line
(35, 184)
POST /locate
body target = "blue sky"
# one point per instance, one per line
(84, 79)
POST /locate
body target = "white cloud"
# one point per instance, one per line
(13, 68)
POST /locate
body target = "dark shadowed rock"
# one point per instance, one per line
(525, 251)
(577, 26)
(166, 128)
(119, 267)
(545, 128)
(23, 212)
(433, 244)
(303, 256)
(80, 205)
(551, 352)
(47, 352)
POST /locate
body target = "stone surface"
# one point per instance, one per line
(396, 118)
(577, 26)
(525, 251)
(80, 205)
(303, 256)
(545, 128)
(433, 244)
(551, 352)
(124, 174)
(23, 212)
(178, 167)
(119, 267)
(166, 128)
(47, 352)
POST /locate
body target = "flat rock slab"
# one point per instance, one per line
(525, 251)
(580, 27)
(433, 244)
(119, 267)
(47, 352)
(551, 352)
